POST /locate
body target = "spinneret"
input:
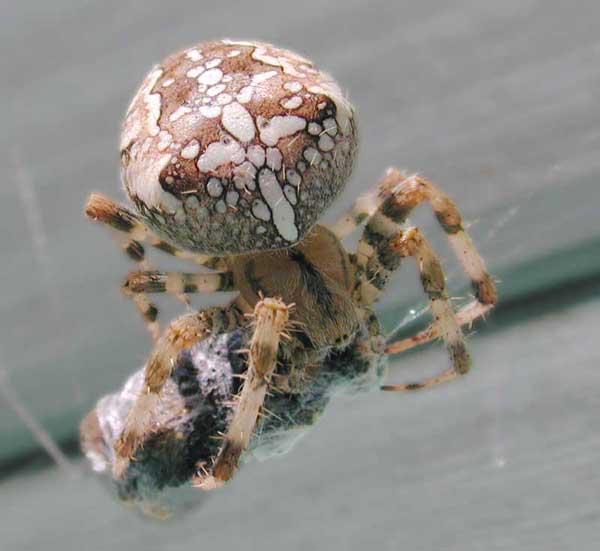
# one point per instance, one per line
(232, 147)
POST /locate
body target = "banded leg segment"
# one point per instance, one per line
(271, 318)
(129, 232)
(364, 207)
(465, 316)
(413, 243)
(183, 333)
(148, 310)
(139, 284)
(367, 205)
(103, 209)
(400, 195)
(178, 282)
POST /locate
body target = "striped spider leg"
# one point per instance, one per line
(270, 319)
(178, 283)
(181, 334)
(385, 241)
(131, 233)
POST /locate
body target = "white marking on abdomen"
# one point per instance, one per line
(272, 130)
(153, 104)
(263, 77)
(211, 77)
(191, 150)
(179, 112)
(219, 153)
(238, 122)
(194, 55)
(283, 213)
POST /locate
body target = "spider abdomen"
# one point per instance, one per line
(231, 147)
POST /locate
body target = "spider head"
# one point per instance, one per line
(233, 147)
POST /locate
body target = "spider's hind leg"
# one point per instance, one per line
(385, 253)
(465, 316)
(413, 243)
(270, 319)
(408, 193)
(363, 208)
(385, 241)
(398, 195)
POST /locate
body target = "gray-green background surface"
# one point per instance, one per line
(497, 102)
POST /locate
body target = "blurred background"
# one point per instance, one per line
(495, 101)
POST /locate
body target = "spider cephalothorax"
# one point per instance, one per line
(230, 152)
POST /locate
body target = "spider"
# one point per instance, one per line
(230, 153)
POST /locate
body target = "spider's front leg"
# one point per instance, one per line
(183, 333)
(270, 319)
(134, 232)
(131, 233)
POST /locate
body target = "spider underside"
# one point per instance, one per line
(297, 309)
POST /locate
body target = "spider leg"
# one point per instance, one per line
(148, 310)
(412, 243)
(183, 333)
(363, 208)
(177, 282)
(465, 316)
(401, 194)
(134, 232)
(270, 319)
(131, 232)
(138, 284)
(385, 242)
